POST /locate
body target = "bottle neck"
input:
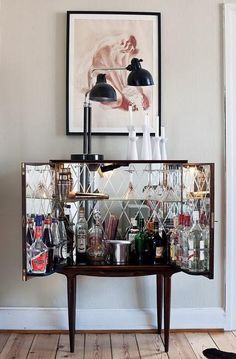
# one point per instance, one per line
(38, 232)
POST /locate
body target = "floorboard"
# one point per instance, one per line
(17, 346)
(3, 340)
(64, 347)
(180, 347)
(124, 346)
(44, 346)
(97, 346)
(151, 346)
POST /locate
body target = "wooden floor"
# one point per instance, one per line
(113, 346)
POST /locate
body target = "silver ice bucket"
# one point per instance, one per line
(120, 251)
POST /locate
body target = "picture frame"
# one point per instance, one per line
(121, 36)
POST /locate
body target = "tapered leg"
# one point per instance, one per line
(71, 292)
(159, 302)
(167, 300)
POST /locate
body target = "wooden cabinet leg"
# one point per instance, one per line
(71, 293)
(167, 300)
(159, 287)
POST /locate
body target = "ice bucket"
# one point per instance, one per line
(120, 251)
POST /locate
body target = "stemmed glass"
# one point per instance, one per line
(131, 192)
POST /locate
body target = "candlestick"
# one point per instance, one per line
(146, 152)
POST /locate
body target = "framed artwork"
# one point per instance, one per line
(112, 39)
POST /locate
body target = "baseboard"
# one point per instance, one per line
(108, 319)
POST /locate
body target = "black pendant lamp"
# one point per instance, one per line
(102, 91)
(138, 76)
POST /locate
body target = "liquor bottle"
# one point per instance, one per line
(47, 239)
(96, 249)
(158, 245)
(185, 237)
(132, 232)
(196, 246)
(30, 231)
(206, 237)
(39, 250)
(178, 244)
(55, 239)
(70, 234)
(63, 238)
(140, 240)
(81, 234)
(28, 257)
(173, 240)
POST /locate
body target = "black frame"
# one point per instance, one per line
(69, 13)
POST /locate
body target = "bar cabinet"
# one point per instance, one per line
(124, 189)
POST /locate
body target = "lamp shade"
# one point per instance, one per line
(102, 91)
(138, 76)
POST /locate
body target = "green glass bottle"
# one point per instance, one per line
(140, 239)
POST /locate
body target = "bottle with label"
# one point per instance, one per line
(206, 237)
(70, 234)
(173, 239)
(63, 238)
(81, 235)
(184, 241)
(140, 240)
(55, 240)
(196, 246)
(39, 250)
(158, 245)
(133, 231)
(30, 231)
(96, 249)
(178, 243)
(47, 239)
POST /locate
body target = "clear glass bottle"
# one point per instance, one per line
(185, 237)
(63, 238)
(173, 240)
(30, 231)
(196, 246)
(81, 235)
(96, 249)
(179, 239)
(55, 239)
(39, 250)
(206, 237)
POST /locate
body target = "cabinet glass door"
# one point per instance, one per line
(38, 184)
(197, 237)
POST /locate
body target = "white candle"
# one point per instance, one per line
(157, 126)
(130, 114)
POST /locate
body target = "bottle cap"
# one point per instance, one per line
(195, 216)
(133, 221)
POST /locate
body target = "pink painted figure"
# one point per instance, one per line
(117, 51)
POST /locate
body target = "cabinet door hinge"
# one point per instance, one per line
(24, 275)
(212, 219)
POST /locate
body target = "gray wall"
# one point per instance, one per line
(32, 115)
